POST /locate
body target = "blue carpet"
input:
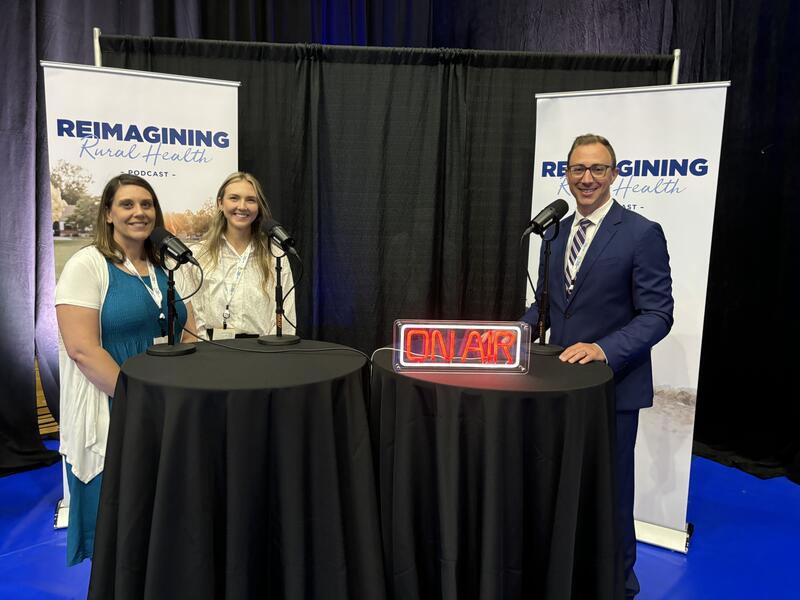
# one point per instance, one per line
(745, 543)
(746, 540)
(33, 561)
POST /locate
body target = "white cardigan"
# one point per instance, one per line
(83, 425)
(85, 415)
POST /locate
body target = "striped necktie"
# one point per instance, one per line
(578, 240)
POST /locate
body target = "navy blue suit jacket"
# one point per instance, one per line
(622, 299)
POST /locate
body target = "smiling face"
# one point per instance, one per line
(590, 191)
(239, 204)
(132, 214)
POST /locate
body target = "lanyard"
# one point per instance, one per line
(231, 290)
(152, 289)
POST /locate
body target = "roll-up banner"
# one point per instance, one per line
(179, 133)
(667, 140)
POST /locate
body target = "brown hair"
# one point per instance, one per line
(104, 232)
(213, 237)
(591, 138)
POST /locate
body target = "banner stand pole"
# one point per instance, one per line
(61, 517)
(98, 57)
(664, 537)
(676, 66)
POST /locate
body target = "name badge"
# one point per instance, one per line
(160, 340)
(223, 334)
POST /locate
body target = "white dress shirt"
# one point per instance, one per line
(250, 309)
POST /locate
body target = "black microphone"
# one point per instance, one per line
(278, 234)
(550, 214)
(167, 244)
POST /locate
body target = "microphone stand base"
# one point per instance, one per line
(279, 340)
(546, 349)
(171, 349)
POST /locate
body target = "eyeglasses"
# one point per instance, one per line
(597, 171)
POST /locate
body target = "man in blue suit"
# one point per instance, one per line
(610, 300)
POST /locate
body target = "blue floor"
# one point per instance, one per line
(746, 542)
(33, 555)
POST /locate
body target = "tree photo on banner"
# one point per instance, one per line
(667, 140)
(178, 133)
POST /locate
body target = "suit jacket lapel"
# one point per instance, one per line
(608, 228)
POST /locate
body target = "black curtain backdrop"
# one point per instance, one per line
(747, 412)
(404, 174)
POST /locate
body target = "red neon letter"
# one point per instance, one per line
(412, 356)
(473, 344)
(505, 340)
(446, 352)
(491, 351)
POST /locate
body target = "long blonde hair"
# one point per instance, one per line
(213, 241)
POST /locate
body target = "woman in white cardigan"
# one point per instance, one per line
(111, 302)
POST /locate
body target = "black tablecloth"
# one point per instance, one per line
(239, 475)
(496, 486)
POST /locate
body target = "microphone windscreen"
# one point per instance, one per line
(268, 225)
(560, 208)
(159, 236)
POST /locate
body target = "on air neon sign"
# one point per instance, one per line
(461, 346)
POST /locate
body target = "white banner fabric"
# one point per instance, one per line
(667, 140)
(178, 133)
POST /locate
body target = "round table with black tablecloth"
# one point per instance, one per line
(240, 475)
(496, 486)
